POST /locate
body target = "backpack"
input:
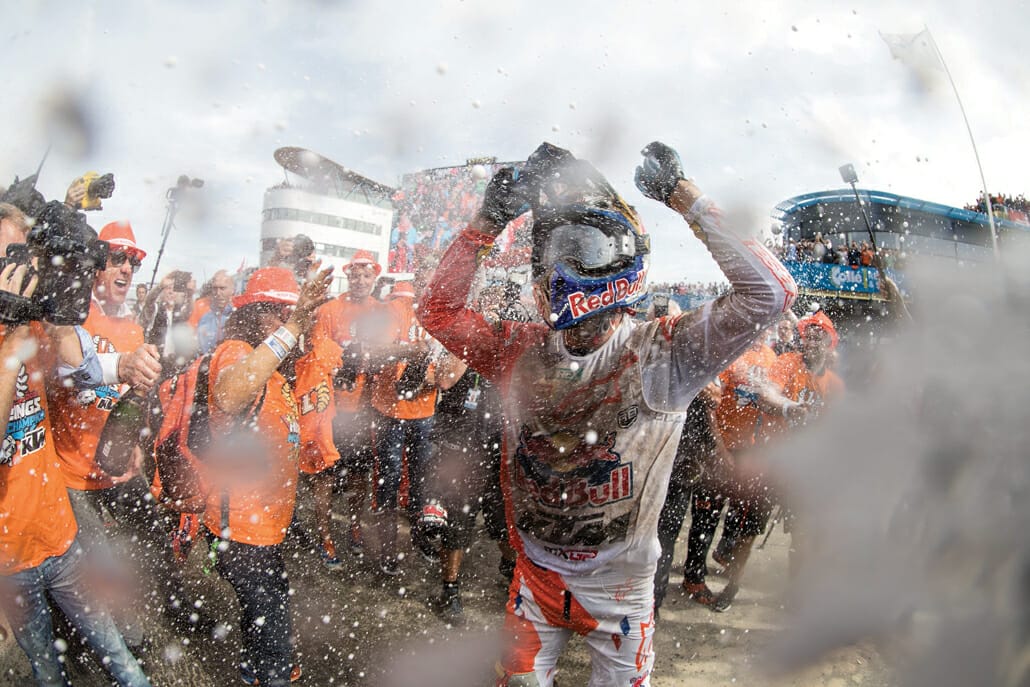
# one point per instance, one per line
(183, 437)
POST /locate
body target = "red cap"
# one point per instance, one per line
(268, 285)
(363, 257)
(821, 320)
(120, 237)
(402, 289)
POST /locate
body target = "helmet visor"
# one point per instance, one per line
(589, 251)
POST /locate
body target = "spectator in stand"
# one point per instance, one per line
(211, 325)
(854, 256)
(39, 552)
(342, 320)
(79, 417)
(253, 462)
(866, 256)
(404, 398)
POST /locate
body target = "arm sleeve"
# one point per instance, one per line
(702, 342)
(489, 349)
(90, 372)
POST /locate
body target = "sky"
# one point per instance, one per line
(764, 101)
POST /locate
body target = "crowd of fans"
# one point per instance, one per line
(329, 393)
(1014, 208)
(821, 249)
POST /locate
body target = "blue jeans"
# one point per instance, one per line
(23, 597)
(393, 437)
(258, 576)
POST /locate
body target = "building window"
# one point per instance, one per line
(323, 219)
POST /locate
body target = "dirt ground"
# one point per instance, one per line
(355, 627)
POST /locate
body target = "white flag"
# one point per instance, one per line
(915, 50)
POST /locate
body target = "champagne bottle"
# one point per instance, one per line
(121, 433)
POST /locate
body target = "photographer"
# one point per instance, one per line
(39, 553)
(165, 317)
(80, 416)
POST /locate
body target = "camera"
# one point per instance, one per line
(64, 253)
(97, 186)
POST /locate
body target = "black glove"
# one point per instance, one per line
(661, 170)
(347, 374)
(505, 198)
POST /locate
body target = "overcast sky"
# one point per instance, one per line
(763, 100)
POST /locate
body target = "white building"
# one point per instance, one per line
(340, 210)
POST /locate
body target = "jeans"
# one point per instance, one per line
(23, 597)
(258, 577)
(393, 437)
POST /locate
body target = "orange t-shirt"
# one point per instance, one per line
(339, 321)
(796, 382)
(253, 462)
(79, 416)
(384, 391)
(737, 415)
(317, 406)
(36, 519)
(201, 307)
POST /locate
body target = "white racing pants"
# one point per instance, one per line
(612, 612)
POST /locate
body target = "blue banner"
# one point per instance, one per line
(817, 276)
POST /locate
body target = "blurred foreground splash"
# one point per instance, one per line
(916, 489)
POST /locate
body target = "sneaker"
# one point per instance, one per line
(328, 554)
(448, 607)
(724, 601)
(355, 541)
(388, 565)
(699, 592)
(249, 678)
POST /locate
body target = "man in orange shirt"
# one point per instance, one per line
(343, 320)
(79, 416)
(39, 555)
(404, 398)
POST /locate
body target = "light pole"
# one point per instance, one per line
(173, 195)
(847, 173)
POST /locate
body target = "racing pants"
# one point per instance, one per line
(612, 612)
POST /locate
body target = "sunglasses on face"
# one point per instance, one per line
(117, 259)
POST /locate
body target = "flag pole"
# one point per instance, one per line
(976, 153)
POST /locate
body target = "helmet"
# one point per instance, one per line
(588, 259)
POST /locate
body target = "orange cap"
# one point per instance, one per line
(119, 236)
(268, 285)
(363, 257)
(821, 320)
(402, 289)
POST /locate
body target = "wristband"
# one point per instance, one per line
(278, 349)
(286, 336)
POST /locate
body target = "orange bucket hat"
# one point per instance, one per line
(269, 285)
(364, 257)
(120, 237)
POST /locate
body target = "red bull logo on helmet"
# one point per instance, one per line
(617, 291)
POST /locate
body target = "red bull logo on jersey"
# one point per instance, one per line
(581, 304)
(559, 475)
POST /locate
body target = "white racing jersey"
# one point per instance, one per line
(590, 440)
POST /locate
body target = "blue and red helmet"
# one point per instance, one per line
(588, 258)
